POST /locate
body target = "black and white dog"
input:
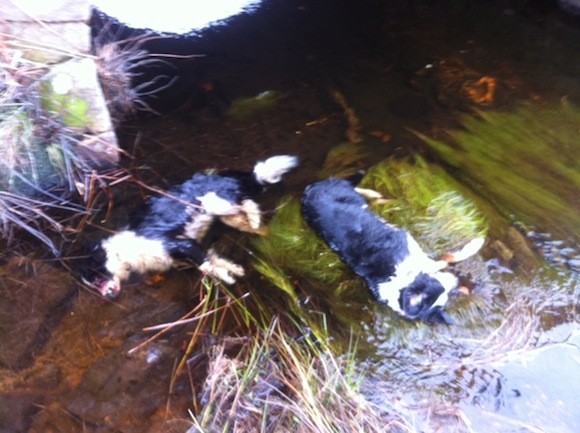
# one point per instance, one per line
(391, 262)
(173, 225)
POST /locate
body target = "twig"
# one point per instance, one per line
(193, 319)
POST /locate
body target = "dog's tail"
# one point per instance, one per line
(271, 170)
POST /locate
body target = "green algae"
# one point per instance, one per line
(525, 162)
(425, 200)
(293, 246)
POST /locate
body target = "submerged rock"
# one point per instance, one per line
(115, 385)
(30, 315)
(246, 108)
(533, 393)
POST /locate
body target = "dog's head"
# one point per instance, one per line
(426, 296)
(95, 274)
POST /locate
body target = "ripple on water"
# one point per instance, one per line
(492, 369)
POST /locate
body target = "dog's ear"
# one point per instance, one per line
(98, 254)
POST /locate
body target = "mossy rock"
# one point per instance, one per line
(72, 110)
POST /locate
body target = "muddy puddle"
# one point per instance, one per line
(511, 362)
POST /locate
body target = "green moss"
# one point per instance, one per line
(526, 162)
(291, 245)
(72, 110)
(425, 200)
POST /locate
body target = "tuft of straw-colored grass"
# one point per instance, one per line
(220, 312)
(278, 383)
(26, 177)
(48, 188)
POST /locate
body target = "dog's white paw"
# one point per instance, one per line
(369, 194)
(222, 269)
(253, 212)
(213, 204)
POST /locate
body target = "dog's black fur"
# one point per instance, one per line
(390, 261)
(166, 216)
(172, 226)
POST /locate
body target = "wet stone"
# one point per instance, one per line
(548, 400)
(522, 251)
(15, 410)
(567, 251)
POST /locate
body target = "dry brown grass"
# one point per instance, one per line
(276, 383)
(28, 202)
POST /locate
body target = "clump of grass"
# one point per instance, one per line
(270, 371)
(277, 383)
(526, 162)
(425, 200)
(344, 160)
(47, 183)
(293, 246)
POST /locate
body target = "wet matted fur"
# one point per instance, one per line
(172, 226)
(390, 261)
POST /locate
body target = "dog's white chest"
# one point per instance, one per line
(405, 273)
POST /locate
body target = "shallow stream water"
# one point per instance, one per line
(512, 361)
